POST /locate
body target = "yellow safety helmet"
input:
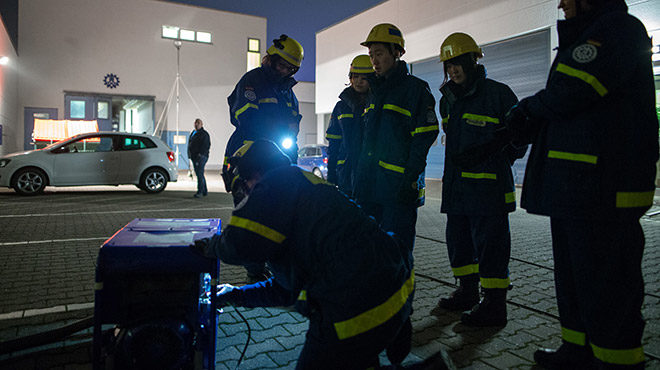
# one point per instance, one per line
(361, 64)
(458, 44)
(386, 33)
(288, 48)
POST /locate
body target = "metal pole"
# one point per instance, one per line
(177, 44)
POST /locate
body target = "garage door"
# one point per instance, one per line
(522, 63)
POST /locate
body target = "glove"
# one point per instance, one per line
(228, 295)
(523, 129)
(226, 178)
(478, 154)
(203, 248)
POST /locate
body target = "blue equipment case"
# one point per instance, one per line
(149, 284)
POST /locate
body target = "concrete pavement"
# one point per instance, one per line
(48, 248)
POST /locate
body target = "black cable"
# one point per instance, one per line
(46, 337)
(249, 334)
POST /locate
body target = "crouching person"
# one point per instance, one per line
(351, 279)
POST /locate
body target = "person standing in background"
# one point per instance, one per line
(199, 144)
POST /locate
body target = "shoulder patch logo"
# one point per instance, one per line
(585, 53)
(250, 95)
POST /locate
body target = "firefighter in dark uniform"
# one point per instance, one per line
(400, 127)
(592, 170)
(263, 106)
(353, 280)
(477, 197)
(344, 133)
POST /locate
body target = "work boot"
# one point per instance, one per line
(463, 298)
(567, 356)
(491, 311)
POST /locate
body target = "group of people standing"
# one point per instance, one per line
(349, 268)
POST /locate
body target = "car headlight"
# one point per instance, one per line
(4, 162)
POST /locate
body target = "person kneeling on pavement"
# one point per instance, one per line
(352, 280)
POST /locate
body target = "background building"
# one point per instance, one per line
(116, 62)
(517, 37)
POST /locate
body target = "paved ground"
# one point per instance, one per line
(49, 244)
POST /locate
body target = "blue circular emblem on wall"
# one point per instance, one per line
(111, 80)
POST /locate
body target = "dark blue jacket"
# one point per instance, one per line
(470, 117)
(598, 144)
(400, 127)
(263, 106)
(327, 256)
(199, 143)
(344, 137)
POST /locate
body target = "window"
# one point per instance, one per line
(253, 54)
(135, 143)
(77, 109)
(102, 111)
(178, 33)
(187, 35)
(89, 145)
(170, 32)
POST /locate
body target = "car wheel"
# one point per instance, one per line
(153, 181)
(317, 172)
(29, 181)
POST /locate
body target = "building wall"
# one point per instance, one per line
(8, 95)
(72, 44)
(426, 23)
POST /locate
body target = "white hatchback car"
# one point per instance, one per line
(99, 158)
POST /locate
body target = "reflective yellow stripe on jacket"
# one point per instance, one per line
(479, 120)
(577, 157)
(268, 100)
(244, 108)
(396, 108)
(584, 76)
(257, 228)
(634, 199)
(391, 167)
(481, 175)
(423, 129)
(377, 315)
(367, 109)
(332, 137)
(345, 115)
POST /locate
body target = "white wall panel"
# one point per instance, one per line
(8, 95)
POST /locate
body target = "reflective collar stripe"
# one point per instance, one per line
(391, 167)
(268, 100)
(634, 199)
(226, 162)
(257, 228)
(632, 356)
(482, 175)
(421, 194)
(345, 115)
(341, 161)
(244, 108)
(584, 76)
(587, 158)
(303, 295)
(397, 109)
(574, 337)
(493, 283)
(445, 120)
(331, 136)
(465, 270)
(420, 130)
(510, 197)
(477, 117)
(377, 315)
(367, 109)
(315, 180)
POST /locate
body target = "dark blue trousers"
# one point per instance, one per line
(480, 244)
(199, 163)
(598, 278)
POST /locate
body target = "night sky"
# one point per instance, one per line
(298, 19)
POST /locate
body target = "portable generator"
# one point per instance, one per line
(154, 298)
